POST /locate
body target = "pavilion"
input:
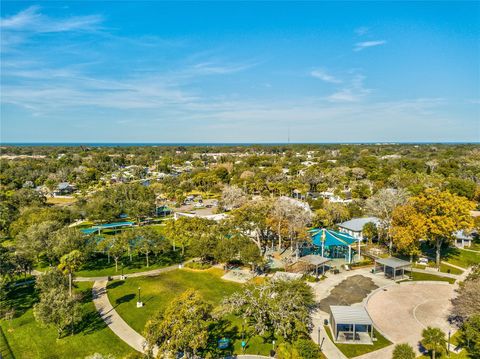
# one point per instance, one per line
(392, 267)
(351, 325)
(314, 260)
(101, 227)
(332, 244)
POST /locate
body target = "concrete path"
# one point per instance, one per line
(110, 315)
(470, 250)
(150, 273)
(120, 327)
(437, 273)
(322, 290)
(114, 320)
(400, 312)
(329, 349)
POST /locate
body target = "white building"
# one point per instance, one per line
(354, 227)
(463, 239)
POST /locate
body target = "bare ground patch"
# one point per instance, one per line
(351, 290)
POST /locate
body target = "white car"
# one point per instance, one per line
(423, 261)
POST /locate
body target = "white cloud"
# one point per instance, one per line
(18, 28)
(362, 30)
(359, 46)
(325, 76)
(32, 20)
(217, 68)
(353, 93)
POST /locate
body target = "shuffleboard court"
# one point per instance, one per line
(402, 311)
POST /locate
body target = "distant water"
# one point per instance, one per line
(122, 144)
(214, 144)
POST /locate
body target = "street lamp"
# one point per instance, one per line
(449, 333)
(273, 343)
(139, 302)
(318, 340)
(244, 343)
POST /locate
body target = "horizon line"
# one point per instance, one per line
(106, 143)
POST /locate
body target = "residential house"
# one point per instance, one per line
(64, 189)
(354, 227)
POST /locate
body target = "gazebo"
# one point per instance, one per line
(392, 267)
(316, 261)
(351, 325)
(332, 244)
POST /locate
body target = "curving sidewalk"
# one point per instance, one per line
(150, 273)
(114, 320)
(120, 328)
(116, 323)
(109, 314)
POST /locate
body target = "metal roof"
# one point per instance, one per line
(331, 238)
(356, 224)
(463, 235)
(350, 315)
(64, 185)
(315, 260)
(393, 262)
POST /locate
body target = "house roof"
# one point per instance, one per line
(356, 224)
(393, 262)
(64, 185)
(463, 235)
(350, 315)
(331, 238)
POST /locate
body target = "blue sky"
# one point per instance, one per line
(151, 71)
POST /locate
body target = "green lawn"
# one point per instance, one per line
(416, 276)
(99, 266)
(5, 350)
(27, 339)
(353, 350)
(157, 292)
(475, 246)
(461, 258)
(454, 256)
(444, 268)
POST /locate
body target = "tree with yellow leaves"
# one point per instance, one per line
(407, 228)
(443, 214)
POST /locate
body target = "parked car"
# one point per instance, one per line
(423, 261)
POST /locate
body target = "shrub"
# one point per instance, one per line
(306, 348)
(198, 265)
(365, 262)
(403, 351)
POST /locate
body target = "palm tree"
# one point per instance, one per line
(69, 263)
(403, 351)
(433, 339)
